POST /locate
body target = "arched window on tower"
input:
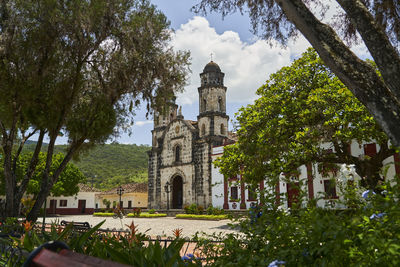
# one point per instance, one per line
(178, 153)
(220, 104)
(222, 131)
(204, 104)
(171, 117)
(203, 129)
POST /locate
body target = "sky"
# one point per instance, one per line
(246, 60)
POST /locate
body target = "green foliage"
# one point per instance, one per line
(66, 185)
(110, 165)
(202, 217)
(193, 209)
(302, 107)
(214, 210)
(137, 211)
(83, 69)
(152, 211)
(103, 214)
(366, 235)
(10, 225)
(132, 249)
(147, 215)
(107, 203)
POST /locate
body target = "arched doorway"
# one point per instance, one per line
(177, 193)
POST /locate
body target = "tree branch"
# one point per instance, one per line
(356, 74)
(385, 55)
(31, 167)
(21, 146)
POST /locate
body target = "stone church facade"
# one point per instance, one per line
(180, 163)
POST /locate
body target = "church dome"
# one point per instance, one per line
(211, 67)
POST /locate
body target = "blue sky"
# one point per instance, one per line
(246, 60)
(237, 51)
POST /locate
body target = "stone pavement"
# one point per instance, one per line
(163, 226)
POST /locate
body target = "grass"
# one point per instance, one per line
(202, 217)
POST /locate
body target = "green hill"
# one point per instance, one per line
(106, 166)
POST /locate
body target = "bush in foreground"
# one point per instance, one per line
(366, 235)
(132, 249)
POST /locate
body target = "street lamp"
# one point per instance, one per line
(167, 190)
(120, 191)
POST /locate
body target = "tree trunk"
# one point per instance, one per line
(356, 74)
(12, 207)
(20, 191)
(369, 173)
(48, 182)
(383, 52)
(46, 185)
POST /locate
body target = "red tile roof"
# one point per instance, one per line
(129, 188)
(87, 188)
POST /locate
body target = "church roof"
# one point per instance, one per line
(211, 67)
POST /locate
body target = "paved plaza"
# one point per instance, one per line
(155, 226)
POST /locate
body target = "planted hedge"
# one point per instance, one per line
(202, 217)
(141, 215)
(147, 215)
(103, 214)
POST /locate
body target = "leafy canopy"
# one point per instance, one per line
(67, 184)
(303, 110)
(79, 68)
(377, 22)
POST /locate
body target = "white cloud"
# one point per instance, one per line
(246, 66)
(141, 123)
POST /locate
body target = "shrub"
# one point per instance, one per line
(202, 217)
(194, 209)
(103, 214)
(107, 203)
(11, 226)
(136, 212)
(186, 208)
(152, 211)
(130, 249)
(214, 210)
(200, 209)
(147, 215)
(367, 235)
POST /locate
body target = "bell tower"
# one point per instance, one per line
(212, 118)
(162, 117)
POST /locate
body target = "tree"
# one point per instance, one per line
(77, 68)
(304, 114)
(66, 185)
(376, 21)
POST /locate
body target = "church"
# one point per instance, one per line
(180, 160)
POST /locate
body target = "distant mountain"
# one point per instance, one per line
(107, 166)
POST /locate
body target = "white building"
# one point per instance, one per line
(233, 194)
(81, 203)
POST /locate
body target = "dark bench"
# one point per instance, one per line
(80, 226)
